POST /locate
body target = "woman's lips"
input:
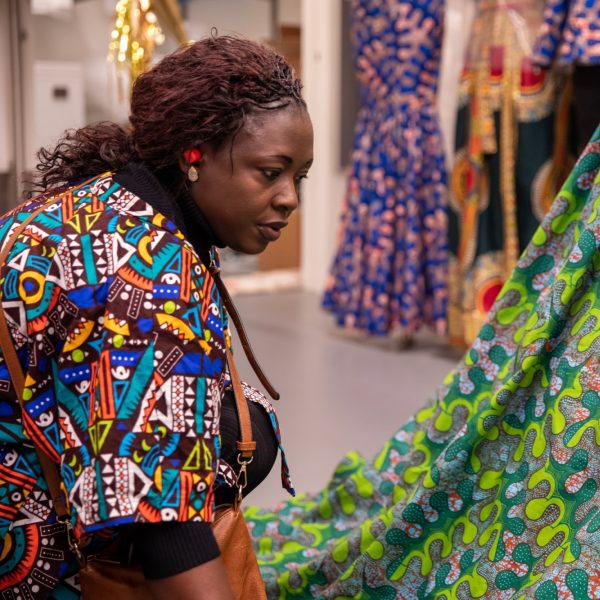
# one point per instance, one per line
(271, 231)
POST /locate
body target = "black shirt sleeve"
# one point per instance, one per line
(168, 548)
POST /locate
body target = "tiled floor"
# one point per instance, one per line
(337, 392)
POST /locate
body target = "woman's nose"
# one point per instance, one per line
(287, 197)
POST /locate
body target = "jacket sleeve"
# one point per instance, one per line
(139, 383)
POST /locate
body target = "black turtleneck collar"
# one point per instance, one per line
(184, 212)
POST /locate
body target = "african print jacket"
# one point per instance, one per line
(122, 334)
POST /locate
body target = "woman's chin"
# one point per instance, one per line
(250, 248)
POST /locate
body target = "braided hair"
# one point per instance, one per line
(201, 93)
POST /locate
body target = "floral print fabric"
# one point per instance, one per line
(490, 491)
(389, 272)
(570, 33)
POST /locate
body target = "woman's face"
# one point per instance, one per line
(248, 190)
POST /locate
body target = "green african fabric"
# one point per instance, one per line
(491, 491)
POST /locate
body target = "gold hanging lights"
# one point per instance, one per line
(135, 34)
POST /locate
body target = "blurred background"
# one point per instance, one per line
(54, 75)
(470, 101)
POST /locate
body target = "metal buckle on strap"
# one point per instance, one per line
(73, 541)
(242, 478)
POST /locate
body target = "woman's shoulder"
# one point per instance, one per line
(97, 228)
(105, 194)
(85, 206)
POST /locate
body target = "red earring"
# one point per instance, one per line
(192, 156)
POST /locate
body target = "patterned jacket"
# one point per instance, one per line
(121, 333)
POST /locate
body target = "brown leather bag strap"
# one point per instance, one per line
(237, 321)
(245, 445)
(49, 467)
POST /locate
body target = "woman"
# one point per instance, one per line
(491, 491)
(119, 325)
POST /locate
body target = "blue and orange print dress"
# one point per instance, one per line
(570, 33)
(389, 271)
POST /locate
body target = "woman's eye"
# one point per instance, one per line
(271, 174)
(299, 178)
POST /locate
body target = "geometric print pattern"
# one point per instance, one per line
(121, 334)
(491, 490)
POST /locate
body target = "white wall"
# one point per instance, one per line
(325, 186)
(249, 18)
(290, 12)
(58, 99)
(83, 34)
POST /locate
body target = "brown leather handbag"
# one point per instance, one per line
(104, 576)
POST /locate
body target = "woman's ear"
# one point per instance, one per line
(189, 162)
(183, 164)
(190, 157)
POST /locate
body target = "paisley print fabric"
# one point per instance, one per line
(121, 333)
(491, 490)
(569, 34)
(389, 272)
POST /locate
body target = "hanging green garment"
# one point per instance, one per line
(492, 490)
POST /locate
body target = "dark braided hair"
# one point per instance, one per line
(200, 93)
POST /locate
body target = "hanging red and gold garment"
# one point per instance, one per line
(511, 158)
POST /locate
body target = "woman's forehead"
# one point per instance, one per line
(292, 115)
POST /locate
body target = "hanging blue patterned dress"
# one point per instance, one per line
(389, 272)
(570, 33)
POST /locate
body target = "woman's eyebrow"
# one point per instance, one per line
(283, 157)
(288, 159)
